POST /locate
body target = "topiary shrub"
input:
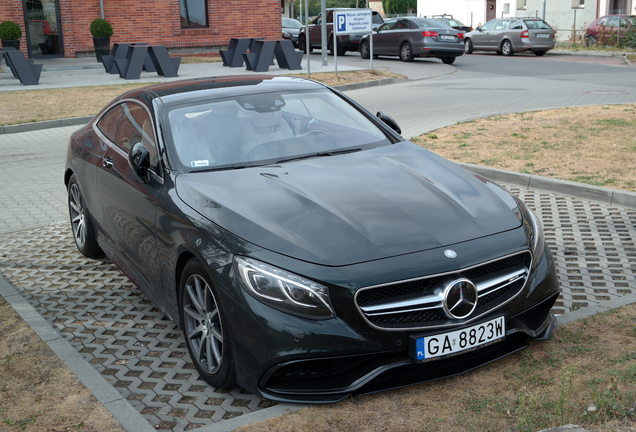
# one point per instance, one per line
(10, 31)
(101, 28)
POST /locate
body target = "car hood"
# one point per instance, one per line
(351, 208)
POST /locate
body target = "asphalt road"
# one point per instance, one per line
(487, 84)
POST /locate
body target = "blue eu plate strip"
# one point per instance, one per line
(419, 349)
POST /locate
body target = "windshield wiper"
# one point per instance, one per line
(318, 154)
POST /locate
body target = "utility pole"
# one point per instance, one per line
(323, 31)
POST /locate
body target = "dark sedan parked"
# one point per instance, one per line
(415, 37)
(290, 28)
(305, 248)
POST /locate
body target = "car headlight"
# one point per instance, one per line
(286, 35)
(535, 232)
(283, 290)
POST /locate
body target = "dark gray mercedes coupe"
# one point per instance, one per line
(305, 248)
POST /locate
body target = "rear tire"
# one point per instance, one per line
(301, 45)
(506, 48)
(468, 46)
(448, 60)
(406, 52)
(364, 50)
(205, 328)
(539, 53)
(341, 50)
(81, 222)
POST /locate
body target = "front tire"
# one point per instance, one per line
(468, 46)
(406, 52)
(301, 45)
(365, 52)
(205, 328)
(81, 223)
(590, 41)
(506, 48)
(448, 60)
(340, 52)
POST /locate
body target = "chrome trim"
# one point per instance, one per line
(456, 324)
(482, 286)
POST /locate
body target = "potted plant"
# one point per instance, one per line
(101, 31)
(10, 34)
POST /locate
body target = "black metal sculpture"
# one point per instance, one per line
(21, 68)
(164, 64)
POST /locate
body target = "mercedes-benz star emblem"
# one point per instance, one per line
(460, 298)
(449, 253)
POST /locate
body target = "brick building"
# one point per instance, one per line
(61, 27)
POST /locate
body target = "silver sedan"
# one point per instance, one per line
(510, 35)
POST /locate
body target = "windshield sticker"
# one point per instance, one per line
(199, 163)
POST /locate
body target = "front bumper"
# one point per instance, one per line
(287, 358)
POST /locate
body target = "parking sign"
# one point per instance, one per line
(352, 21)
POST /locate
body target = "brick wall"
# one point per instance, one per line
(158, 22)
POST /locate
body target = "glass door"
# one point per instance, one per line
(42, 19)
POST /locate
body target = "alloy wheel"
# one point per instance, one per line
(203, 329)
(405, 52)
(78, 218)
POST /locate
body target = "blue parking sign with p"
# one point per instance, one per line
(342, 22)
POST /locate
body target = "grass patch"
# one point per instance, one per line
(37, 392)
(585, 375)
(26, 106)
(593, 145)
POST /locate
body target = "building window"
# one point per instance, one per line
(506, 8)
(578, 4)
(194, 13)
(522, 4)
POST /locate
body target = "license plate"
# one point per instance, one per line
(446, 37)
(543, 36)
(444, 344)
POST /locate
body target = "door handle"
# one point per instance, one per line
(107, 163)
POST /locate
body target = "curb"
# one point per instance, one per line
(604, 195)
(587, 53)
(367, 84)
(48, 124)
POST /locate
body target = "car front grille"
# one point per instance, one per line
(418, 303)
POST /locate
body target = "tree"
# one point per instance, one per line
(395, 7)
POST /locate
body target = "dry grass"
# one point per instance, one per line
(585, 375)
(351, 77)
(37, 392)
(25, 106)
(594, 145)
(200, 59)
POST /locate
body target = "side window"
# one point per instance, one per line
(489, 25)
(602, 21)
(516, 25)
(612, 22)
(389, 25)
(135, 127)
(109, 122)
(402, 25)
(500, 25)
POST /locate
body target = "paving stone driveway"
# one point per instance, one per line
(142, 354)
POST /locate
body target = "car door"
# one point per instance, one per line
(481, 36)
(498, 34)
(382, 37)
(129, 201)
(399, 34)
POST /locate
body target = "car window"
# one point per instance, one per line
(627, 21)
(516, 25)
(135, 127)
(489, 25)
(292, 23)
(267, 127)
(537, 25)
(454, 23)
(612, 21)
(501, 25)
(602, 21)
(429, 23)
(388, 25)
(402, 25)
(376, 19)
(109, 122)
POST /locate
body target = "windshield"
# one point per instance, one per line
(537, 25)
(430, 23)
(264, 128)
(292, 23)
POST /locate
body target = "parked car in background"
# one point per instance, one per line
(510, 35)
(448, 19)
(411, 37)
(305, 248)
(606, 27)
(345, 42)
(291, 27)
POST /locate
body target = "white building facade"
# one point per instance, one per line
(564, 15)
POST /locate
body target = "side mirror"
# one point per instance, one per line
(140, 160)
(390, 122)
(478, 29)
